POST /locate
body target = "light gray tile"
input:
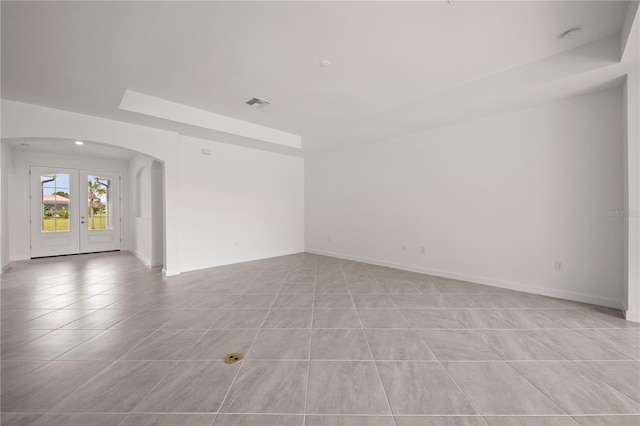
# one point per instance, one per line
(39, 389)
(458, 345)
(281, 343)
(98, 301)
(119, 388)
(399, 287)
(56, 319)
(365, 288)
(622, 376)
(547, 345)
(490, 318)
(151, 320)
(419, 301)
(261, 287)
(58, 302)
(626, 342)
(82, 419)
(323, 288)
(336, 318)
(19, 419)
(192, 386)
(530, 421)
(216, 344)
(383, 318)
(348, 344)
(620, 420)
(109, 345)
(422, 388)
(268, 387)
(330, 278)
(258, 420)
(184, 419)
(574, 392)
(288, 318)
(440, 421)
(432, 318)
(241, 318)
(397, 344)
(254, 301)
(333, 301)
(52, 345)
(520, 345)
(333, 385)
(215, 301)
(191, 319)
(319, 420)
(165, 345)
(373, 301)
(294, 300)
(496, 388)
(102, 320)
(13, 340)
(288, 288)
(301, 278)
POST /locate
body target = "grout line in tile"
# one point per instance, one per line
(243, 362)
(548, 397)
(313, 305)
(384, 391)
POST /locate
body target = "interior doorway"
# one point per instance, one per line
(74, 211)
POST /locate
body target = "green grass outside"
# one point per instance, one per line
(99, 222)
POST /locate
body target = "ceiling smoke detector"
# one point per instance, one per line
(258, 103)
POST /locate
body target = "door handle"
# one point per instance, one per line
(82, 221)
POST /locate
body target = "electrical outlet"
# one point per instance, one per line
(404, 248)
(422, 250)
(205, 151)
(236, 244)
(558, 266)
(330, 240)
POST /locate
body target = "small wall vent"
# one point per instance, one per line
(258, 103)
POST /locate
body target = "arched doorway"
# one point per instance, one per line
(104, 171)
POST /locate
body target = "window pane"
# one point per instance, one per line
(99, 203)
(56, 201)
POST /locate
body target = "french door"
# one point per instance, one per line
(74, 211)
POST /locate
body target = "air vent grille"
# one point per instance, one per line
(258, 103)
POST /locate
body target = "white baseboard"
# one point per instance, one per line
(169, 272)
(4, 268)
(19, 257)
(143, 259)
(244, 259)
(561, 294)
(631, 315)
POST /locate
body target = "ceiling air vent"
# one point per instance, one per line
(258, 103)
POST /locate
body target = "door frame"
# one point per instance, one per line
(77, 209)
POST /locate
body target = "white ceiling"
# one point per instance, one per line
(391, 60)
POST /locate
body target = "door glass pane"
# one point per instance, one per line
(99, 205)
(55, 202)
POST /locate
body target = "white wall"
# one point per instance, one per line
(157, 217)
(141, 234)
(6, 166)
(19, 212)
(495, 201)
(147, 223)
(631, 208)
(238, 204)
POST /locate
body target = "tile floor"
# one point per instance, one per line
(102, 340)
